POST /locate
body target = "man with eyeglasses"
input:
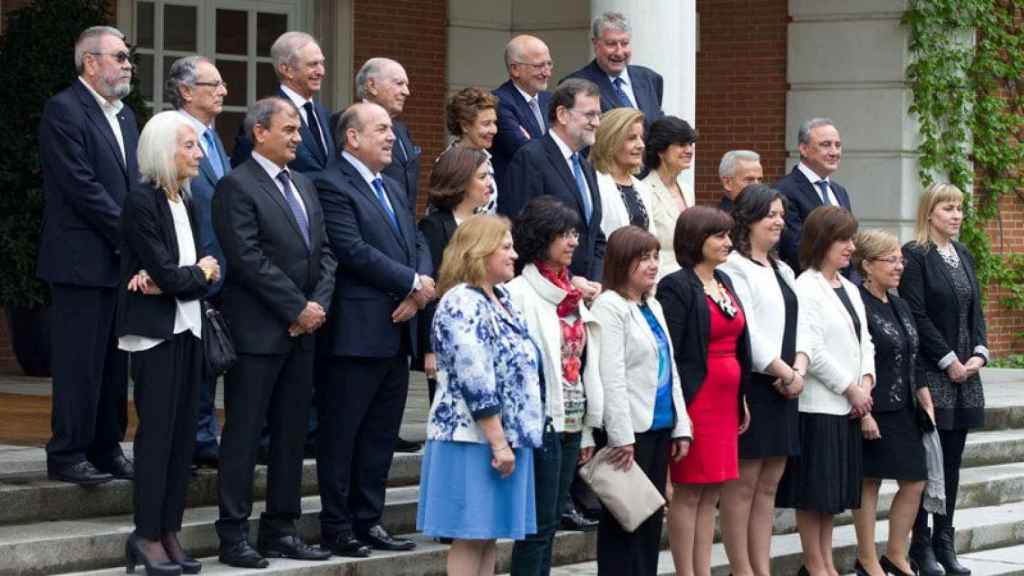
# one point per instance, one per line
(523, 100)
(87, 141)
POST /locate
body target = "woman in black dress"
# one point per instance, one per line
(892, 440)
(942, 289)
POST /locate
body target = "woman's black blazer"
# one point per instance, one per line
(681, 295)
(928, 288)
(895, 372)
(149, 242)
(437, 228)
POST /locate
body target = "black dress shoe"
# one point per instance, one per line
(207, 457)
(118, 467)
(891, 568)
(176, 553)
(379, 539)
(922, 558)
(803, 571)
(347, 545)
(291, 547)
(241, 555)
(945, 553)
(859, 569)
(407, 446)
(82, 473)
(573, 520)
(134, 555)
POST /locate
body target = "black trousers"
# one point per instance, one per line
(361, 403)
(953, 442)
(620, 553)
(167, 380)
(90, 377)
(276, 389)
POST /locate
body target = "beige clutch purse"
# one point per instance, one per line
(628, 494)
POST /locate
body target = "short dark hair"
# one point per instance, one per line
(565, 95)
(693, 227)
(451, 174)
(541, 222)
(263, 111)
(824, 226)
(664, 132)
(750, 206)
(625, 247)
(465, 105)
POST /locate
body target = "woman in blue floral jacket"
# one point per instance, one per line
(477, 481)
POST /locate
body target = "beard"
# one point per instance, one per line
(116, 90)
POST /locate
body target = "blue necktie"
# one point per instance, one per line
(581, 185)
(823, 186)
(378, 187)
(213, 153)
(624, 101)
(314, 127)
(293, 203)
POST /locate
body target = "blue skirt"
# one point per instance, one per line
(463, 497)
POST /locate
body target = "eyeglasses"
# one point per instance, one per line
(121, 56)
(218, 84)
(570, 235)
(892, 260)
(592, 116)
(546, 65)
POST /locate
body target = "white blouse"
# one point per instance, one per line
(763, 305)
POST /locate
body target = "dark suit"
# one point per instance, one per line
(167, 376)
(308, 157)
(405, 163)
(273, 274)
(801, 198)
(539, 169)
(514, 116)
(647, 88)
(362, 397)
(85, 181)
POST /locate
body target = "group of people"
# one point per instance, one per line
(582, 302)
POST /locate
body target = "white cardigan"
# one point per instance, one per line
(537, 298)
(629, 370)
(825, 332)
(763, 305)
(614, 214)
(664, 212)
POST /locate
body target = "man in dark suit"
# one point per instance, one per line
(552, 165)
(622, 84)
(195, 88)
(271, 228)
(382, 281)
(300, 67)
(87, 141)
(523, 101)
(737, 170)
(810, 183)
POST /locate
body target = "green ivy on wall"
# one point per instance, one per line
(967, 83)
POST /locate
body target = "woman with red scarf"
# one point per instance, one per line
(545, 237)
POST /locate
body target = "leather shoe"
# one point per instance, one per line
(119, 467)
(291, 547)
(379, 539)
(573, 520)
(82, 473)
(407, 446)
(346, 545)
(241, 555)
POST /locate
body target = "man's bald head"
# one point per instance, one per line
(529, 63)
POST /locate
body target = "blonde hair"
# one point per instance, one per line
(465, 256)
(611, 133)
(935, 194)
(872, 244)
(158, 144)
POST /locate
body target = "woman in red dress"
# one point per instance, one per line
(712, 353)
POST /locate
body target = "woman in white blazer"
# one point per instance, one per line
(669, 151)
(566, 333)
(645, 416)
(832, 332)
(617, 154)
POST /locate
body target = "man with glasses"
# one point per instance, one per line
(523, 100)
(87, 141)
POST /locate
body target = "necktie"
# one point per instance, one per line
(378, 187)
(213, 153)
(293, 202)
(823, 186)
(581, 185)
(314, 127)
(535, 108)
(624, 101)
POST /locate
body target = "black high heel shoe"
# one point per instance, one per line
(859, 569)
(134, 555)
(176, 553)
(891, 568)
(803, 571)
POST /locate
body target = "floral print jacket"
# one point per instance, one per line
(486, 365)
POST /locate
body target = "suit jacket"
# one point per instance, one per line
(515, 116)
(802, 197)
(647, 87)
(376, 264)
(895, 352)
(663, 212)
(437, 228)
(308, 156)
(405, 167)
(85, 181)
(273, 273)
(149, 242)
(202, 188)
(539, 169)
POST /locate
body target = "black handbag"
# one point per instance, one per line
(924, 421)
(220, 350)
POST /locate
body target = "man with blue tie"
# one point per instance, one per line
(523, 100)
(195, 88)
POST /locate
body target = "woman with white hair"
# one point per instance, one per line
(159, 322)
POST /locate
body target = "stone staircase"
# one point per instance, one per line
(54, 528)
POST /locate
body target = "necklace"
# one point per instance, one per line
(949, 255)
(723, 301)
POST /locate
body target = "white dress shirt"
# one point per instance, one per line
(814, 178)
(300, 102)
(627, 85)
(273, 170)
(110, 112)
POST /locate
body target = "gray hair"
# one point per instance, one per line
(371, 70)
(88, 40)
(613, 20)
(158, 144)
(286, 48)
(804, 135)
(727, 167)
(183, 72)
(262, 111)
